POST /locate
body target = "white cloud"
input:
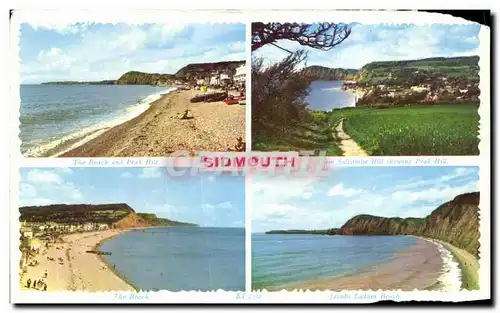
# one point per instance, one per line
(60, 25)
(369, 43)
(43, 176)
(98, 52)
(150, 172)
(340, 190)
(222, 205)
(314, 209)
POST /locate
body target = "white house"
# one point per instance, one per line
(240, 75)
(419, 88)
(103, 226)
(215, 79)
(88, 227)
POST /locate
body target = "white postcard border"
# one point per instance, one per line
(151, 16)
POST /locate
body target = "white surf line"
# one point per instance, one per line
(347, 144)
(87, 134)
(451, 277)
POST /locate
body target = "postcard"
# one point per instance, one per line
(249, 157)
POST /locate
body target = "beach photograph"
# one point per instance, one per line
(367, 228)
(131, 90)
(366, 89)
(130, 229)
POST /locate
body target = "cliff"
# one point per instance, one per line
(203, 69)
(140, 78)
(153, 220)
(456, 222)
(118, 215)
(316, 72)
(188, 72)
(302, 231)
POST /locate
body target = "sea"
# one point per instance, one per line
(282, 259)
(180, 258)
(328, 95)
(57, 118)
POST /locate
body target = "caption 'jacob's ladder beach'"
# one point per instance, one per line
(367, 228)
(120, 90)
(130, 229)
(360, 90)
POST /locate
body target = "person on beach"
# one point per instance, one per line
(34, 284)
(45, 287)
(28, 283)
(46, 273)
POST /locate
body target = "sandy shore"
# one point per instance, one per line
(418, 267)
(468, 263)
(215, 126)
(79, 271)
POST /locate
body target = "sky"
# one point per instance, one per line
(87, 51)
(205, 199)
(369, 43)
(328, 202)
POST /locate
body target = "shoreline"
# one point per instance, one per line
(418, 267)
(71, 268)
(211, 126)
(81, 136)
(468, 264)
(109, 265)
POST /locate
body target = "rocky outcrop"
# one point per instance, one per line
(131, 220)
(456, 222)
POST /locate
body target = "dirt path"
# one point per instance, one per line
(347, 144)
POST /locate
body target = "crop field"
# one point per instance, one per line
(414, 130)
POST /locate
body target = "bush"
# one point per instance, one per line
(279, 92)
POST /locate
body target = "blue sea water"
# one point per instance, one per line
(328, 95)
(180, 258)
(55, 118)
(282, 259)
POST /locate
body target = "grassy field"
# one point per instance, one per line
(444, 129)
(416, 130)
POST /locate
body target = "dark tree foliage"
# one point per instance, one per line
(279, 91)
(322, 36)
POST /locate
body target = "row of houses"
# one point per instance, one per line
(223, 77)
(39, 230)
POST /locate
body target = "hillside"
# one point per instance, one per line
(118, 215)
(418, 71)
(456, 222)
(76, 213)
(188, 72)
(153, 220)
(201, 69)
(316, 72)
(140, 78)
